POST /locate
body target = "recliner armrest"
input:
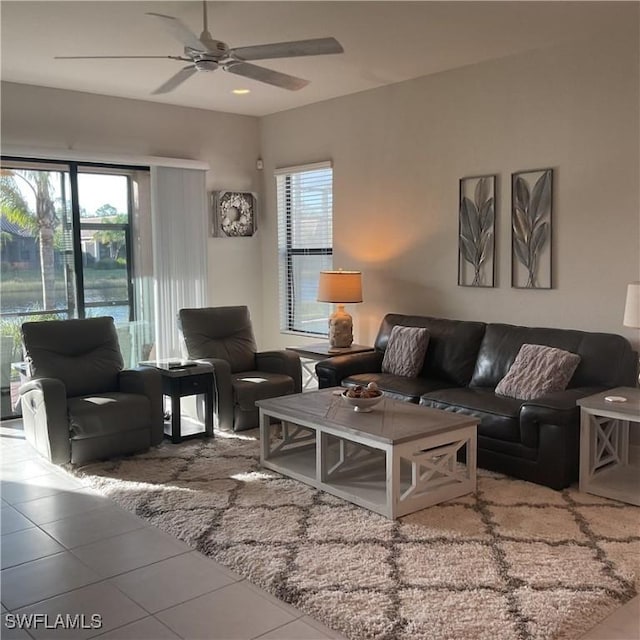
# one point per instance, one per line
(332, 371)
(146, 381)
(45, 420)
(222, 392)
(281, 361)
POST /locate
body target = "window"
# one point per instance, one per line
(305, 244)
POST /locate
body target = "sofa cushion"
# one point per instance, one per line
(404, 355)
(606, 358)
(220, 332)
(398, 387)
(250, 386)
(537, 371)
(452, 350)
(499, 416)
(84, 354)
(105, 414)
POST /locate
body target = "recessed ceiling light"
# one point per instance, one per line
(241, 92)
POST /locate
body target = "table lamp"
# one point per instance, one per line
(340, 287)
(632, 308)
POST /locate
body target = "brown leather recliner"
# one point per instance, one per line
(223, 337)
(80, 404)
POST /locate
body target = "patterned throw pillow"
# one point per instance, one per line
(404, 355)
(537, 371)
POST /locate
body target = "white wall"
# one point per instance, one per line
(50, 118)
(399, 151)
(398, 154)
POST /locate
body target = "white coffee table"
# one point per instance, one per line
(397, 459)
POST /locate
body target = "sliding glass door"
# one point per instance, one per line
(67, 252)
(105, 202)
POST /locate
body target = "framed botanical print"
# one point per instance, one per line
(234, 214)
(476, 235)
(531, 249)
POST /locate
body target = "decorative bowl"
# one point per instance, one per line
(362, 405)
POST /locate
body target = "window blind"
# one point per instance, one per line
(179, 228)
(305, 244)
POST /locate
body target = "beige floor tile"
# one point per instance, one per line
(12, 520)
(173, 581)
(145, 629)
(91, 610)
(322, 628)
(129, 551)
(14, 491)
(25, 469)
(296, 630)
(17, 452)
(45, 578)
(61, 505)
(11, 631)
(230, 613)
(95, 525)
(622, 624)
(27, 545)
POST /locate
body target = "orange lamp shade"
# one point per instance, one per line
(340, 287)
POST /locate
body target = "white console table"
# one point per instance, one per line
(605, 465)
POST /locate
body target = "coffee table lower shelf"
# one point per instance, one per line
(390, 479)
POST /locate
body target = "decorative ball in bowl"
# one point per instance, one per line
(363, 399)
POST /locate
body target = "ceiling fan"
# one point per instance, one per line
(206, 54)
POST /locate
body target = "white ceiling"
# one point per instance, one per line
(384, 43)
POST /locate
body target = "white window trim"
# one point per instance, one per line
(281, 171)
(106, 158)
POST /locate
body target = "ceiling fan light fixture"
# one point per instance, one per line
(206, 65)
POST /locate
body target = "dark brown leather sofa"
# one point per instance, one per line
(536, 440)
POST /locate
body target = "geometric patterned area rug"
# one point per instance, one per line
(513, 561)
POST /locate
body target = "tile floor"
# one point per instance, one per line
(66, 549)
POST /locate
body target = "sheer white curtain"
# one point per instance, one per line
(179, 214)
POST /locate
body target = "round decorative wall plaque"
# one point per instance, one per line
(235, 214)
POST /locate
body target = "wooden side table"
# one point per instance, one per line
(312, 353)
(186, 378)
(605, 465)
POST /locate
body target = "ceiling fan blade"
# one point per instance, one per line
(118, 57)
(179, 30)
(176, 80)
(282, 80)
(317, 47)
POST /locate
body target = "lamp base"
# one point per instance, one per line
(340, 329)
